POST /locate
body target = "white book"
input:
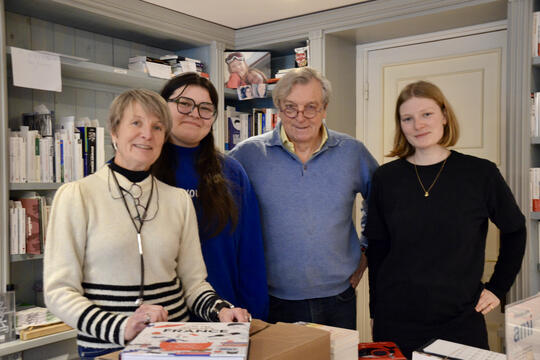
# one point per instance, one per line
(22, 158)
(100, 147)
(244, 126)
(190, 340)
(21, 213)
(78, 166)
(14, 160)
(13, 229)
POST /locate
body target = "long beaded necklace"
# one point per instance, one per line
(138, 228)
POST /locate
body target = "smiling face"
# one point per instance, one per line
(139, 137)
(422, 122)
(299, 129)
(188, 130)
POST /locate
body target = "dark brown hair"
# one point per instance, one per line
(424, 89)
(215, 202)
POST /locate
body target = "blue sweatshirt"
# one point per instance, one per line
(311, 244)
(234, 261)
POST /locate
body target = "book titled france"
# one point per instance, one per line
(190, 340)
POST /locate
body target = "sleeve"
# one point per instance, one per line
(200, 296)
(379, 242)
(63, 270)
(367, 166)
(506, 215)
(252, 285)
(234, 81)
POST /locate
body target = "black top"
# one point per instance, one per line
(426, 254)
(131, 175)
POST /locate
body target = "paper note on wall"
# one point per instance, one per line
(35, 70)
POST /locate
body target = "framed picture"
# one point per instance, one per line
(246, 68)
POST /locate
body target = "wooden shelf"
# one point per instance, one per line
(11, 347)
(535, 140)
(83, 70)
(536, 61)
(34, 186)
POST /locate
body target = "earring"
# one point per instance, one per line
(115, 147)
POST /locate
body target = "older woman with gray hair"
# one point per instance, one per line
(306, 178)
(123, 248)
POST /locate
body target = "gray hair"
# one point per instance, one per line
(301, 75)
(149, 100)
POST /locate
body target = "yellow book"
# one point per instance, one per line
(33, 332)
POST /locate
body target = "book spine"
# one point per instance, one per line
(92, 156)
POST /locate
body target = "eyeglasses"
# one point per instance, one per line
(230, 59)
(309, 112)
(186, 105)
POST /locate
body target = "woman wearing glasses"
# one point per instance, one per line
(227, 209)
(122, 248)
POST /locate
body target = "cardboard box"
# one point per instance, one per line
(284, 341)
(280, 341)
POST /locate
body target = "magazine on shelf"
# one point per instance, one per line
(190, 340)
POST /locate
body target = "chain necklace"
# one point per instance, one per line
(141, 219)
(426, 192)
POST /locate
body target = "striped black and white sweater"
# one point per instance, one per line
(92, 263)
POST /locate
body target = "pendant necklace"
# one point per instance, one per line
(141, 219)
(426, 192)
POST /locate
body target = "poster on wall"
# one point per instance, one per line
(246, 68)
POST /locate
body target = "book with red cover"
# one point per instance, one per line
(380, 351)
(33, 241)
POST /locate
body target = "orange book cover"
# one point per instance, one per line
(380, 350)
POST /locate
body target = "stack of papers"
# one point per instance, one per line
(343, 342)
(442, 349)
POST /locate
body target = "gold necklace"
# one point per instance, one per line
(426, 192)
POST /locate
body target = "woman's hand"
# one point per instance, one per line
(234, 315)
(487, 302)
(144, 315)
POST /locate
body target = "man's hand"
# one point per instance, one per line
(356, 276)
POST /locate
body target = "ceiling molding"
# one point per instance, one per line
(347, 18)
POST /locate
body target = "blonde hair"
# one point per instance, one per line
(424, 89)
(149, 100)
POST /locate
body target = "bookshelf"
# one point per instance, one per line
(106, 33)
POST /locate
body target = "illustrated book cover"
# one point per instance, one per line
(190, 340)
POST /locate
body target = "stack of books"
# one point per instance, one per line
(343, 342)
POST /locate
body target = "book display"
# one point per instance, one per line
(191, 340)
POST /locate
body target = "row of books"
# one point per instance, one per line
(72, 153)
(534, 183)
(28, 217)
(242, 125)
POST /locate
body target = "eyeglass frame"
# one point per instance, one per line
(303, 114)
(195, 105)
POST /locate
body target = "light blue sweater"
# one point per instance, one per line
(311, 244)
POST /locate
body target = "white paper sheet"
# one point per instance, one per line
(35, 70)
(459, 351)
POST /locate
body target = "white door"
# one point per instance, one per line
(468, 65)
